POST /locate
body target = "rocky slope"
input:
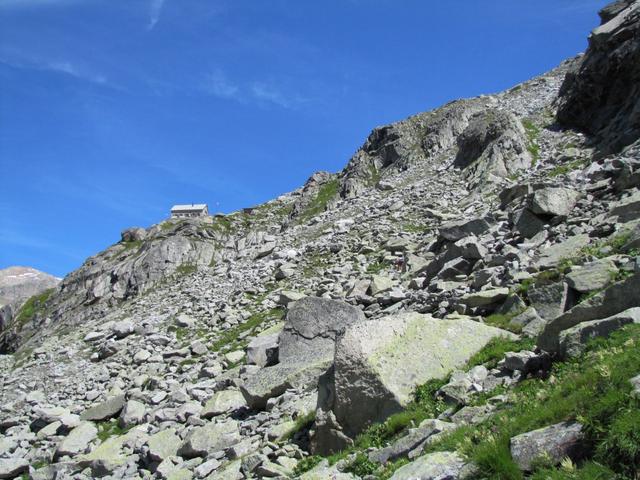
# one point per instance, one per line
(425, 313)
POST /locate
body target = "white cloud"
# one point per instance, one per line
(155, 10)
(218, 85)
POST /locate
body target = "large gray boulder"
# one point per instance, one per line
(104, 410)
(437, 466)
(311, 328)
(306, 347)
(380, 362)
(210, 438)
(78, 440)
(553, 443)
(614, 299)
(13, 467)
(574, 340)
(592, 276)
(554, 201)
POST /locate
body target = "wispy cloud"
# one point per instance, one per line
(16, 4)
(155, 10)
(16, 59)
(217, 84)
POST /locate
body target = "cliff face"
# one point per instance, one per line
(602, 95)
(430, 287)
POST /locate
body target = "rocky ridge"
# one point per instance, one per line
(443, 280)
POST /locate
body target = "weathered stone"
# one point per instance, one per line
(112, 454)
(554, 443)
(414, 440)
(285, 297)
(78, 440)
(551, 256)
(132, 414)
(13, 467)
(549, 300)
(163, 444)
(311, 327)
(263, 350)
(554, 201)
(592, 276)
(484, 298)
(105, 410)
(273, 381)
(379, 284)
(574, 340)
(212, 437)
(378, 363)
(614, 299)
(436, 466)
(223, 402)
(454, 231)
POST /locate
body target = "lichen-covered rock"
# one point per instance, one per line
(210, 438)
(78, 440)
(379, 363)
(553, 443)
(554, 201)
(437, 466)
(573, 341)
(222, 402)
(614, 299)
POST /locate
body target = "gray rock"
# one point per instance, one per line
(311, 327)
(378, 363)
(414, 440)
(13, 467)
(263, 350)
(285, 297)
(554, 443)
(551, 256)
(592, 276)
(78, 440)
(222, 402)
(273, 381)
(549, 300)
(436, 466)
(485, 298)
(600, 95)
(573, 341)
(163, 444)
(105, 410)
(132, 414)
(133, 234)
(454, 231)
(379, 284)
(614, 299)
(211, 438)
(635, 385)
(122, 328)
(554, 201)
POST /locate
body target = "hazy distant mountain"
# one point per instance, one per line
(17, 284)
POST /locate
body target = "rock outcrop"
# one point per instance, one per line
(602, 96)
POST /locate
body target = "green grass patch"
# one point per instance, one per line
(319, 203)
(132, 245)
(568, 167)
(306, 464)
(230, 339)
(503, 321)
(495, 350)
(533, 132)
(302, 422)
(374, 175)
(110, 429)
(378, 266)
(32, 307)
(186, 269)
(593, 389)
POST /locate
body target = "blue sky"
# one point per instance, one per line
(113, 110)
